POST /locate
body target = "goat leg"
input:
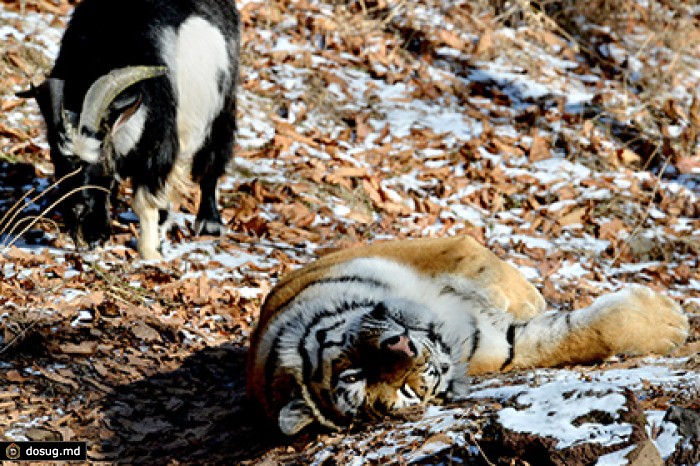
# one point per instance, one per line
(208, 217)
(147, 211)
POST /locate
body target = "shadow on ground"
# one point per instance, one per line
(195, 414)
(18, 191)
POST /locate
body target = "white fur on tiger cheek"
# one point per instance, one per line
(433, 380)
(349, 397)
(442, 370)
(406, 397)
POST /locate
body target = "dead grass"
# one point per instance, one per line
(645, 50)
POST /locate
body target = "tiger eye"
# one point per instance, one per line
(352, 377)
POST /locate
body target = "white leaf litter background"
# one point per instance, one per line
(278, 91)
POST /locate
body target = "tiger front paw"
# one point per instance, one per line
(640, 321)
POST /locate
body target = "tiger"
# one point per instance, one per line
(370, 331)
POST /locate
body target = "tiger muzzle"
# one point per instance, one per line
(400, 344)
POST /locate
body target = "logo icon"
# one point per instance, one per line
(12, 451)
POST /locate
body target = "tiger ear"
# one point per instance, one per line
(294, 416)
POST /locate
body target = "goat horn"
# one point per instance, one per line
(107, 88)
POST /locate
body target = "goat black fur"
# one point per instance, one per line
(179, 120)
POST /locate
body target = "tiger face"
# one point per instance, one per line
(365, 360)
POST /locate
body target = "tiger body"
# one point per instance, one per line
(367, 331)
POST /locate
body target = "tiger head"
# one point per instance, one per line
(362, 361)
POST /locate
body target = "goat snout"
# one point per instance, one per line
(80, 211)
(88, 221)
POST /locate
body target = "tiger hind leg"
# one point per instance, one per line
(634, 321)
(503, 284)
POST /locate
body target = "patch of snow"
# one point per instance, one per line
(529, 241)
(633, 268)
(84, 317)
(17, 431)
(616, 458)
(552, 410)
(666, 437)
(586, 243)
(562, 396)
(69, 294)
(33, 24)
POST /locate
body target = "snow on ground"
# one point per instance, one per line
(560, 397)
(553, 401)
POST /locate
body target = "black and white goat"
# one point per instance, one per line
(142, 89)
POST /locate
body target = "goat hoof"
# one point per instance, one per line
(97, 244)
(150, 255)
(209, 227)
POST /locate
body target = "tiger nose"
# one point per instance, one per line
(400, 344)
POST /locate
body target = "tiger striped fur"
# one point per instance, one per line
(366, 331)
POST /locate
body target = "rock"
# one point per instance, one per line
(644, 454)
(36, 434)
(687, 422)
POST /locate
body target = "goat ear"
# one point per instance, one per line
(294, 416)
(31, 93)
(49, 96)
(125, 108)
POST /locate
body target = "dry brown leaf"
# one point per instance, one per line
(362, 128)
(539, 149)
(16, 253)
(350, 172)
(145, 332)
(575, 217)
(485, 46)
(628, 157)
(612, 229)
(451, 38)
(84, 348)
(689, 165)
(694, 113)
(13, 375)
(506, 148)
(59, 378)
(548, 266)
(90, 300)
(674, 110)
(371, 188)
